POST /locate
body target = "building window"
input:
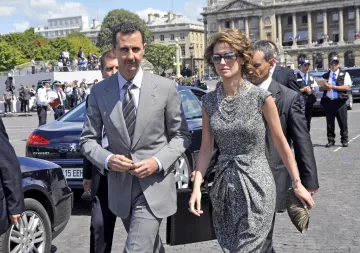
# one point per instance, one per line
(46, 34)
(56, 33)
(254, 23)
(335, 36)
(76, 21)
(172, 36)
(227, 24)
(241, 25)
(50, 23)
(351, 15)
(319, 18)
(66, 22)
(351, 33)
(153, 38)
(289, 21)
(182, 36)
(335, 16)
(304, 19)
(162, 37)
(55, 23)
(71, 21)
(182, 50)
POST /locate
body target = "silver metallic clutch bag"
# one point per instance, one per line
(299, 215)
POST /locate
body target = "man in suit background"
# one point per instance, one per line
(147, 133)
(11, 194)
(102, 219)
(294, 126)
(26, 98)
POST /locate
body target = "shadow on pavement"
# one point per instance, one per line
(81, 207)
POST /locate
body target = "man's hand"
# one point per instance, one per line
(313, 191)
(192, 176)
(15, 218)
(120, 163)
(308, 90)
(330, 87)
(87, 185)
(145, 168)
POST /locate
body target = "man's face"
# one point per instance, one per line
(57, 87)
(129, 51)
(110, 68)
(305, 68)
(262, 68)
(334, 66)
(47, 85)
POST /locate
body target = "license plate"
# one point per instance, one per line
(355, 91)
(73, 173)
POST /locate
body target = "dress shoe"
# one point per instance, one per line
(330, 144)
(345, 144)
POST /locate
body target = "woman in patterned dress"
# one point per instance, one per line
(234, 115)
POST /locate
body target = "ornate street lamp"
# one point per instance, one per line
(177, 59)
(191, 49)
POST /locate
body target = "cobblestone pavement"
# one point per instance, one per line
(334, 223)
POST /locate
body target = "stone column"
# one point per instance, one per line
(247, 31)
(219, 25)
(280, 35)
(325, 30)
(341, 27)
(261, 28)
(357, 25)
(232, 24)
(309, 29)
(205, 33)
(294, 30)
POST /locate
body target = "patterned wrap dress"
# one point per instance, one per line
(243, 193)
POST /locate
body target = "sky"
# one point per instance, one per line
(19, 15)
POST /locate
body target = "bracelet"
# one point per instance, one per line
(295, 181)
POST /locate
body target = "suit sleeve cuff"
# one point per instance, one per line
(107, 161)
(160, 167)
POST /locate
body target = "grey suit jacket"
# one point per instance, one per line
(160, 131)
(293, 124)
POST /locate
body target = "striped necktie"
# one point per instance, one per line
(129, 110)
(335, 93)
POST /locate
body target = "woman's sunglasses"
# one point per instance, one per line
(216, 58)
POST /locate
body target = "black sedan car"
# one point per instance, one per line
(58, 141)
(48, 205)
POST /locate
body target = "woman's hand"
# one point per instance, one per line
(195, 202)
(304, 196)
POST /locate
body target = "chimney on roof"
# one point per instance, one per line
(151, 17)
(170, 16)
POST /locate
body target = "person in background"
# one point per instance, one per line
(58, 93)
(68, 92)
(26, 99)
(7, 97)
(96, 185)
(43, 101)
(334, 101)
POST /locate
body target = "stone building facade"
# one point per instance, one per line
(172, 28)
(312, 29)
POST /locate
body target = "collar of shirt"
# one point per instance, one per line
(302, 74)
(272, 70)
(336, 73)
(266, 84)
(137, 80)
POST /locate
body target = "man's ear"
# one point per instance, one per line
(272, 62)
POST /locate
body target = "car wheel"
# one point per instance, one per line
(182, 172)
(351, 101)
(31, 234)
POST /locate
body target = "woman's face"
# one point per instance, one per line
(226, 60)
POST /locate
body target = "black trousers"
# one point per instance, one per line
(102, 221)
(25, 105)
(8, 105)
(308, 113)
(268, 246)
(336, 109)
(42, 114)
(58, 112)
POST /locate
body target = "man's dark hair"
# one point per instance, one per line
(274, 45)
(108, 55)
(126, 28)
(265, 47)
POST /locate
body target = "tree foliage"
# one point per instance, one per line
(113, 18)
(160, 56)
(10, 56)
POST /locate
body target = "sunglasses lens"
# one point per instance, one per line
(216, 58)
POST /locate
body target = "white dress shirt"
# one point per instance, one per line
(272, 70)
(55, 94)
(307, 75)
(266, 84)
(135, 90)
(347, 82)
(42, 97)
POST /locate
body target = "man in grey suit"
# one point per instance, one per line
(294, 126)
(147, 133)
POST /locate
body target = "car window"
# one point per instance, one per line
(198, 93)
(78, 114)
(354, 73)
(190, 104)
